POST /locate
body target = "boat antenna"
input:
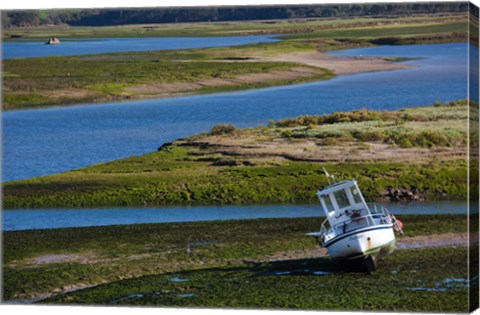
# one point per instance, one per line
(328, 176)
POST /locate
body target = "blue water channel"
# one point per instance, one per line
(46, 141)
(85, 46)
(61, 218)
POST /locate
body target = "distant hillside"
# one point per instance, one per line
(105, 17)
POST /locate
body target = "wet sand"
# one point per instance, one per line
(403, 242)
(338, 64)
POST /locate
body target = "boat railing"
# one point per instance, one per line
(382, 213)
(374, 208)
(376, 215)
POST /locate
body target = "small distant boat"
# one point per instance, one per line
(354, 232)
(53, 41)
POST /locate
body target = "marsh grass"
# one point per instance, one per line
(176, 183)
(417, 127)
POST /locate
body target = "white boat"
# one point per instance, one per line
(353, 231)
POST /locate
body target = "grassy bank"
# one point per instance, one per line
(38, 82)
(436, 23)
(421, 150)
(91, 79)
(39, 263)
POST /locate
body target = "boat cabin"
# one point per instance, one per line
(343, 202)
(347, 211)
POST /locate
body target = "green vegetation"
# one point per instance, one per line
(405, 128)
(36, 262)
(163, 181)
(422, 149)
(69, 80)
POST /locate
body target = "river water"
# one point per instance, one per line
(46, 141)
(51, 140)
(60, 218)
(85, 46)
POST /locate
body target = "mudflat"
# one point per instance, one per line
(48, 263)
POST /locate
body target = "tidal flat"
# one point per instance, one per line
(428, 280)
(232, 264)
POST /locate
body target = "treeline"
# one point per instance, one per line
(105, 17)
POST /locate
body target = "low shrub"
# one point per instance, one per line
(412, 117)
(397, 137)
(426, 138)
(405, 143)
(286, 134)
(222, 129)
(431, 138)
(338, 117)
(369, 135)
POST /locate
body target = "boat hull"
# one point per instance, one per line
(373, 241)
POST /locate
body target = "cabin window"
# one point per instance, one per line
(329, 204)
(356, 194)
(342, 199)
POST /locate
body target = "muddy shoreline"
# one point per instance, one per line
(403, 243)
(339, 65)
